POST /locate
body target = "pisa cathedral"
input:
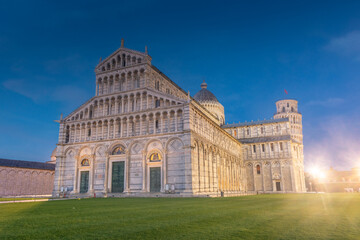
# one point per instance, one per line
(142, 135)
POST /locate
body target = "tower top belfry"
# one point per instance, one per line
(288, 108)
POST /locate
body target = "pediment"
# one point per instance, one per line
(122, 58)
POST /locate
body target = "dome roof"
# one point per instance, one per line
(53, 154)
(205, 95)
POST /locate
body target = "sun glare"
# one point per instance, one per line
(317, 172)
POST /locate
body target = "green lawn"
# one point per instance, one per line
(292, 216)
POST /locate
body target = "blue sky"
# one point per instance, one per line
(247, 51)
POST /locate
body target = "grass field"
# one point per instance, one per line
(292, 216)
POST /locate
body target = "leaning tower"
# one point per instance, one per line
(288, 108)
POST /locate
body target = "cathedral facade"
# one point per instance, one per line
(142, 135)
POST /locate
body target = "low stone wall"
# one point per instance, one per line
(25, 182)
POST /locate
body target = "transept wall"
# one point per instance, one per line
(216, 157)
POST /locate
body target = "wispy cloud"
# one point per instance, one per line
(25, 88)
(39, 90)
(330, 102)
(347, 45)
(72, 93)
(334, 142)
(73, 64)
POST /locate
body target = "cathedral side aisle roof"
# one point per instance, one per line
(26, 164)
(255, 123)
(167, 78)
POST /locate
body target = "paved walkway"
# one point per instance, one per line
(34, 200)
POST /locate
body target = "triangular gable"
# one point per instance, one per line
(129, 54)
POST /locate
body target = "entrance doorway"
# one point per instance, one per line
(278, 186)
(117, 181)
(155, 179)
(84, 181)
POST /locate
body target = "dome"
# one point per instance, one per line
(208, 100)
(53, 157)
(205, 95)
(53, 154)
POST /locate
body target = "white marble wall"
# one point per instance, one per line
(173, 164)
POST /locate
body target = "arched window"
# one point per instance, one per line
(258, 169)
(67, 137)
(157, 103)
(287, 104)
(292, 109)
(283, 109)
(124, 62)
(133, 128)
(118, 150)
(137, 83)
(254, 148)
(155, 157)
(157, 85)
(85, 163)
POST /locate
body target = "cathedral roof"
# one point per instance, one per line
(267, 139)
(26, 164)
(255, 123)
(205, 95)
